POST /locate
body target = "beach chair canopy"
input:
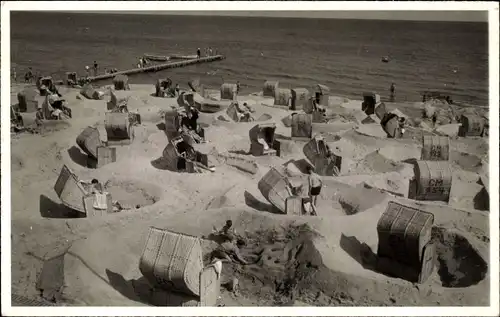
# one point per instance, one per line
(322, 89)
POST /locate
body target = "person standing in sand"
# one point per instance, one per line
(95, 68)
(315, 184)
(393, 89)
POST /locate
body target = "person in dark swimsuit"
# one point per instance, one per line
(315, 185)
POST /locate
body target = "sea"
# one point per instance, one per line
(345, 55)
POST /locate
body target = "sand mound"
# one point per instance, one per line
(341, 199)
(375, 163)
(459, 264)
(466, 161)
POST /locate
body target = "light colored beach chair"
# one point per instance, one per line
(270, 87)
(405, 249)
(75, 195)
(277, 189)
(172, 263)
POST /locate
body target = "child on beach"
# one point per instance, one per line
(315, 185)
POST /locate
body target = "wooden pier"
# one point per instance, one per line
(156, 68)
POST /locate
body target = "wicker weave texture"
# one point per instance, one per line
(69, 190)
(274, 188)
(282, 97)
(105, 155)
(118, 126)
(294, 206)
(403, 232)
(270, 88)
(434, 179)
(27, 100)
(172, 261)
(472, 125)
(89, 140)
(380, 110)
(435, 148)
(391, 127)
(232, 112)
(209, 287)
(300, 97)
(172, 121)
(121, 82)
(228, 92)
(301, 126)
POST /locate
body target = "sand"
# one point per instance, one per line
(299, 260)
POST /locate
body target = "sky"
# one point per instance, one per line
(465, 16)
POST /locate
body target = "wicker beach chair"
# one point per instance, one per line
(172, 262)
(283, 97)
(405, 249)
(71, 78)
(89, 92)
(121, 82)
(118, 126)
(262, 140)
(75, 195)
(435, 148)
(270, 88)
(433, 180)
(89, 140)
(181, 156)
(228, 91)
(316, 152)
(301, 126)
(300, 97)
(27, 101)
(472, 125)
(390, 124)
(161, 86)
(322, 94)
(273, 186)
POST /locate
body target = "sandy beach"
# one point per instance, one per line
(331, 262)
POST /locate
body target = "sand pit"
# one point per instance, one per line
(133, 194)
(459, 264)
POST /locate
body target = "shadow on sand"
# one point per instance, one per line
(51, 209)
(77, 156)
(140, 290)
(254, 203)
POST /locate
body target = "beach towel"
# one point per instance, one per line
(264, 143)
(100, 201)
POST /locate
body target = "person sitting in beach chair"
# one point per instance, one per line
(402, 125)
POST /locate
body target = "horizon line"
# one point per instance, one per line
(478, 16)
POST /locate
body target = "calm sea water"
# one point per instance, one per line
(343, 54)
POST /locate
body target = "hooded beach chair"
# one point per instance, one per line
(173, 263)
(262, 140)
(76, 196)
